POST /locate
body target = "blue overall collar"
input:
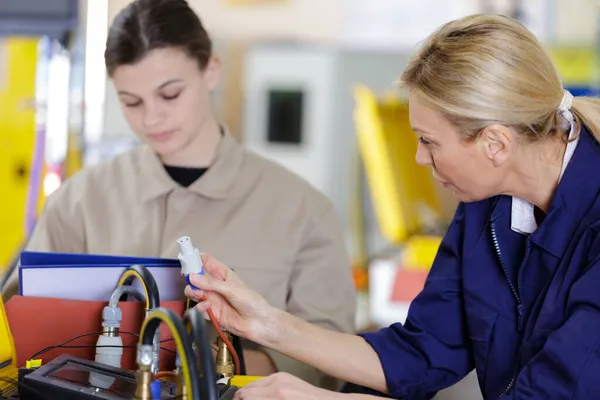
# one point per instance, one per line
(576, 193)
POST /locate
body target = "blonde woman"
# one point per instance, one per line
(514, 290)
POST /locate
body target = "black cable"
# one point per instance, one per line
(239, 349)
(229, 393)
(201, 338)
(90, 346)
(64, 344)
(148, 281)
(46, 349)
(152, 323)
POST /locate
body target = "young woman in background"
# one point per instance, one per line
(191, 177)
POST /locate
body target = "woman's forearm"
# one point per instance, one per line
(346, 357)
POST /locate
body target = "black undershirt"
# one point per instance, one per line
(185, 176)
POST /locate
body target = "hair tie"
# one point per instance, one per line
(564, 111)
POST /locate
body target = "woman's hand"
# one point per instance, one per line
(282, 386)
(245, 313)
(237, 308)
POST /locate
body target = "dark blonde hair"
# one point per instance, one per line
(485, 69)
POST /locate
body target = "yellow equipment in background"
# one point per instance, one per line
(8, 355)
(578, 65)
(403, 193)
(18, 63)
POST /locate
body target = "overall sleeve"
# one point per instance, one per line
(568, 365)
(58, 229)
(430, 351)
(321, 290)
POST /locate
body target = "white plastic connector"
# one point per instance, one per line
(111, 317)
(189, 257)
(107, 355)
(111, 322)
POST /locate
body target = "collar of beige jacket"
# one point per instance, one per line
(216, 183)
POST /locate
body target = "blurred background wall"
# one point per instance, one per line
(359, 41)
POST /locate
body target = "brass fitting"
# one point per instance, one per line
(110, 331)
(143, 378)
(181, 392)
(225, 365)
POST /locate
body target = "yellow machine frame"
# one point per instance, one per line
(18, 63)
(403, 193)
(8, 354)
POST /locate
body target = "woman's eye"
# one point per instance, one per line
(171, 97)
(424, 141)
(131, 105)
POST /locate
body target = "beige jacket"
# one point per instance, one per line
(279, 234)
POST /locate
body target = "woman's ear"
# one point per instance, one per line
(212, 72)
(498, 142)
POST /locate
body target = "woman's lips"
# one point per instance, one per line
(161, 136)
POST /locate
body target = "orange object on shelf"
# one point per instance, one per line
(361, 279)
(408, 284)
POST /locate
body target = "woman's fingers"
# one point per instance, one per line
(217, 269)
(257, 393)
(259, 389)
(262, 382)
(210, 284)
(203, 307)
(199, 296)
(195, 295)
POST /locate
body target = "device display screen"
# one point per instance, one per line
(94, 380)
(285, 114)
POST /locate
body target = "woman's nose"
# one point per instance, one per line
(423, 156)
(153, 115)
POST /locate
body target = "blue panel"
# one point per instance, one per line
(53, 18)
(584, 91)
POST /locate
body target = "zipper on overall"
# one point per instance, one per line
(516, 291)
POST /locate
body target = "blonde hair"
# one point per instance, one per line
(486, 69)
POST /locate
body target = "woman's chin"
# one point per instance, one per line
(166, 148)
(467, 197)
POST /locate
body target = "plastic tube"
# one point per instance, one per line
(123, 290)
(150, 287)
(182, 341)
(201, 339)
(152, 300)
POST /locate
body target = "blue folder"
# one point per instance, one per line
(90, 276)
(42, 258)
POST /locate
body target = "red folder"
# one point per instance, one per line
(38, 322)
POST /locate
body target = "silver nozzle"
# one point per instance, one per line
(144, 355)
(155, 351)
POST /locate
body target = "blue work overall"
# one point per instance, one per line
(523, 310)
